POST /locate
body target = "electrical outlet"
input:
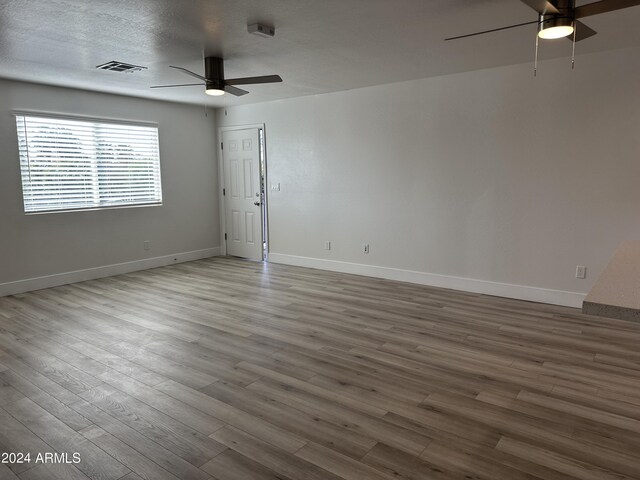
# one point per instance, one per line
(327, 245)
(365, 248)
(581, 271)
(147, 245)
(275, 187)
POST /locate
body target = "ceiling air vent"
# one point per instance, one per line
(120, 67)
(261, 30)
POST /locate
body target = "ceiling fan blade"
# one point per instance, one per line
(491, 31)
(238, 92)
(582, 31)
(189, 72)
(183, 85)
(253, 80)
(603, 6)
(542, 6)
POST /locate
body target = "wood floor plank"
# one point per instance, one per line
(8, 393)
(231, 465)
(500, 418)
(6, 473)
(359, 391)
(270, 457)
(341, 465)
(259, 428)
(125, 454)
(217, 365)
(17, 438)
(70, 356)
(436, 423)
(364, 383)
(185, 442)
(145, 445)
(20, 327)
(403, 466)
(162, 365)
(182, 412)
(95, 463)
(464, 463)
(312, 427)
(323, 392)
(109, 359)
(44, 383)
(62, 373)
(350, 419)
(441, 377)
(561, 463)
(573, 408)
(49, 403)
(53, 471)
(132, 476)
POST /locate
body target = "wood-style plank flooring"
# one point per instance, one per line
(234, 370)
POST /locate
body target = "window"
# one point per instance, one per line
(73, 164)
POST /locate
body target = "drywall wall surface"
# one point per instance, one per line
(492, 175)
(49, 244)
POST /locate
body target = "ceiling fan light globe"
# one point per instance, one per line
(560, 31)
(214, 92)
(555, 26)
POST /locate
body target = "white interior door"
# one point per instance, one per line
(243, 209)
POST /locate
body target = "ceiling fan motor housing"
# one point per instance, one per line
(564, 16)
(214, 85)
(550, 21)
(214, 71)
(565, 6)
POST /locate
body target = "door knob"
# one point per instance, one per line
(257, 204)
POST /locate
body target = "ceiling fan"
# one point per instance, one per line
(560, 18)
(214, 82)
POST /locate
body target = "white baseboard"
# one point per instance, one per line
(520, 292)
(30, 284)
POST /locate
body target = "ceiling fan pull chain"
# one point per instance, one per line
(573, 52)
(535, 61)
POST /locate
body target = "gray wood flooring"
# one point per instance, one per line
(235, 370)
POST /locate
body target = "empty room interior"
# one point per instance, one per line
(305, 239)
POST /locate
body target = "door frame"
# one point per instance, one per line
(264, 224)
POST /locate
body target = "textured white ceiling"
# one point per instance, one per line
(320, 45)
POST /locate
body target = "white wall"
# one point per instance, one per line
(186, 226)
(491, 175)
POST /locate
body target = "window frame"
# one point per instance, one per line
(88, 119)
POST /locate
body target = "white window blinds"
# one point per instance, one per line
(70, 164)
